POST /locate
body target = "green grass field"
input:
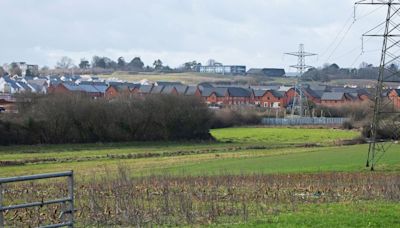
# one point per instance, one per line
(266, 155)
(237, 150)
(195, 78)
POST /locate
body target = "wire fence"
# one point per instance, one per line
(304, 121)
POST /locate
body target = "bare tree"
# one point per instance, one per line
(65, 63)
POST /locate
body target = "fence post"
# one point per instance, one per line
(71, 197)
(1, 207)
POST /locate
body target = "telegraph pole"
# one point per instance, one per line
(301, 68)
(385, 113)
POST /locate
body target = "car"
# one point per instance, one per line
(2, 109)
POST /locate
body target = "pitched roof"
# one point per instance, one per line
(238, 92)
(191, 90)
(259, 92)
(168, 89)
(145, 88)
(397, 91)
(157, 89)
(314, 93)
(168, 83)
(120, 87)
(332, 96)
(181, 89)
(278, 94)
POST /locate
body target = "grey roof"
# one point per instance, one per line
(81, 88)
(259, 92)
(278, 94)
(11, 83)
(157, 89)
(238, 92)
(168, 83)
(40, 82)
(24, 86)
(206, 92)
(332, 96)
(101, 88)
(37, 87)
(318, 87)
(219, 92)
(191, 90)
(314, 93)
(119, 87)
(181, 88)
(167, 89)
(145, 88)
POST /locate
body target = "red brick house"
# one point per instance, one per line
(336, 98)
(116, 90)
(66, 88)
(214, 96)
(193, 91)
(237, 96)
(394, 96)
(269, 98)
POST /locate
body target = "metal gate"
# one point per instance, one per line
(68, 201)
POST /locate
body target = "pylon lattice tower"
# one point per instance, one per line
(301, 67)
(385, 115)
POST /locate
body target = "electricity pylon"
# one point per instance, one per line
(385, 115)
(301, 68)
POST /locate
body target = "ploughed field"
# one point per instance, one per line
(247, 177)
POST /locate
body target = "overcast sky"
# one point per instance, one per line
(255, 33)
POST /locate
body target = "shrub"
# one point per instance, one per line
(228, 118)
(58, 119)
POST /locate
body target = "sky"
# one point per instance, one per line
(255, 33)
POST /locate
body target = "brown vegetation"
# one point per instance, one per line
(122, 200)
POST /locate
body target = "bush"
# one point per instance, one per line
(228, 118)
(56, 119)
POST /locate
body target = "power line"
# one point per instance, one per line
(382, 117)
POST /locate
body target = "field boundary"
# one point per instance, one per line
(304, 121)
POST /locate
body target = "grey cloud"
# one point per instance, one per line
(251, 32)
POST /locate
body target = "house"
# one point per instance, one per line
(7, 102)
(8, 85)
(116, 90)
(313, 95)
(221, 69)
(336, 98)
(181, 89)
(169, 90)
(157, 89)
(90, 90)
(394, 96)
(143, 90)
(214, 96)
(193, 91)
(227, 96)
(269, 98)
(267, 72)
(237, 96)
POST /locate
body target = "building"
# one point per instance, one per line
(336, 98)
(221, 69)
(269, 99)
(394, 96)
(267, 72)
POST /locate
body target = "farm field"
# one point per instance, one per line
(249, 176)
(237, 145)
(194, 78)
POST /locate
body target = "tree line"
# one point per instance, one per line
(333, 72)
(58, 119)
